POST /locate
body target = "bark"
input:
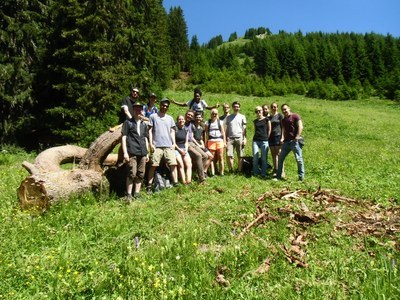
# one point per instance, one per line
(49, 183)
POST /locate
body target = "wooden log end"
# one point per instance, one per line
(32, 195)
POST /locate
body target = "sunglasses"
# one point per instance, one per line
(165, 105)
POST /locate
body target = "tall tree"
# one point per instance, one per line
(97, 50)
(22, 43)
(178, 34)
(233, 37)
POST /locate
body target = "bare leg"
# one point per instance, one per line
(174, 174)
(150, 177)
(188, 168)
(129, 185)
(181, 168)
(138, 185)
(220, 158)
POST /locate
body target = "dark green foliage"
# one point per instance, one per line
(66, 64)
(179, 43)
(194, 43)
(97, 51)
(316, 64)
(215, 42)
(233, 37)
(22, 43)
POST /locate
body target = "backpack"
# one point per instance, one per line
(209, 125)
(162, 179)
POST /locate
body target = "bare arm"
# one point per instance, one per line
(126, 111)
(125, 149)
(269, 128)
(152, 147)
(212, 107)
(299, 129)
(172, 133)
(223, 135)
(178, 103)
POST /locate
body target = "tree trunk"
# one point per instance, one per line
(49, 183)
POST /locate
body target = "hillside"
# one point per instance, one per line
(335, 236)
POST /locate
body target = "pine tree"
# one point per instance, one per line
(178, 34)
(22, 43)
(98, 50)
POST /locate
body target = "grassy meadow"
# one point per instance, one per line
(191, 242)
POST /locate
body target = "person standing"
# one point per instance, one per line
(216, 140)
(292, 128)
(236, 136)
(226, 109)
(134, 147)
(127, 105)
(150, 108)
(265, 109)
(197, 104)
(275, 137)
(162, 142)
(262, 130)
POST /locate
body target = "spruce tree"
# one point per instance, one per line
(178, 35)
(22, 43)
(97, 51)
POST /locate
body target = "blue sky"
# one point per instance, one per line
(209, 18)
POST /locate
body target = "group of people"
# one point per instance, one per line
(191, 143)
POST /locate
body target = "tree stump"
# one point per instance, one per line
(49, 183)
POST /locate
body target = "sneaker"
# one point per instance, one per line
(136, 195)
(175, 184)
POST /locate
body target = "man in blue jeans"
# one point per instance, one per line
(292, 127)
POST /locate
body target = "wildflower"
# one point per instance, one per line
(157, 283)
(180, 291)
(151, 268)
(178, 257)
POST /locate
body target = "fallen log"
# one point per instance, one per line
(49, 183)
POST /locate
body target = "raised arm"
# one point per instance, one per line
(183, 104)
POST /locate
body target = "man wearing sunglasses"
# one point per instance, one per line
(162, 142)
(128, 103)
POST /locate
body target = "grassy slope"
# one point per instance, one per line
(86, 248)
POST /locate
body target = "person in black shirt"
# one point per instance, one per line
(134, 146)
(262, 130)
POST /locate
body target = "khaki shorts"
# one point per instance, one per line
(167, 153)
(235, 145)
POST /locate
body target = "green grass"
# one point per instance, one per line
(85, 248)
